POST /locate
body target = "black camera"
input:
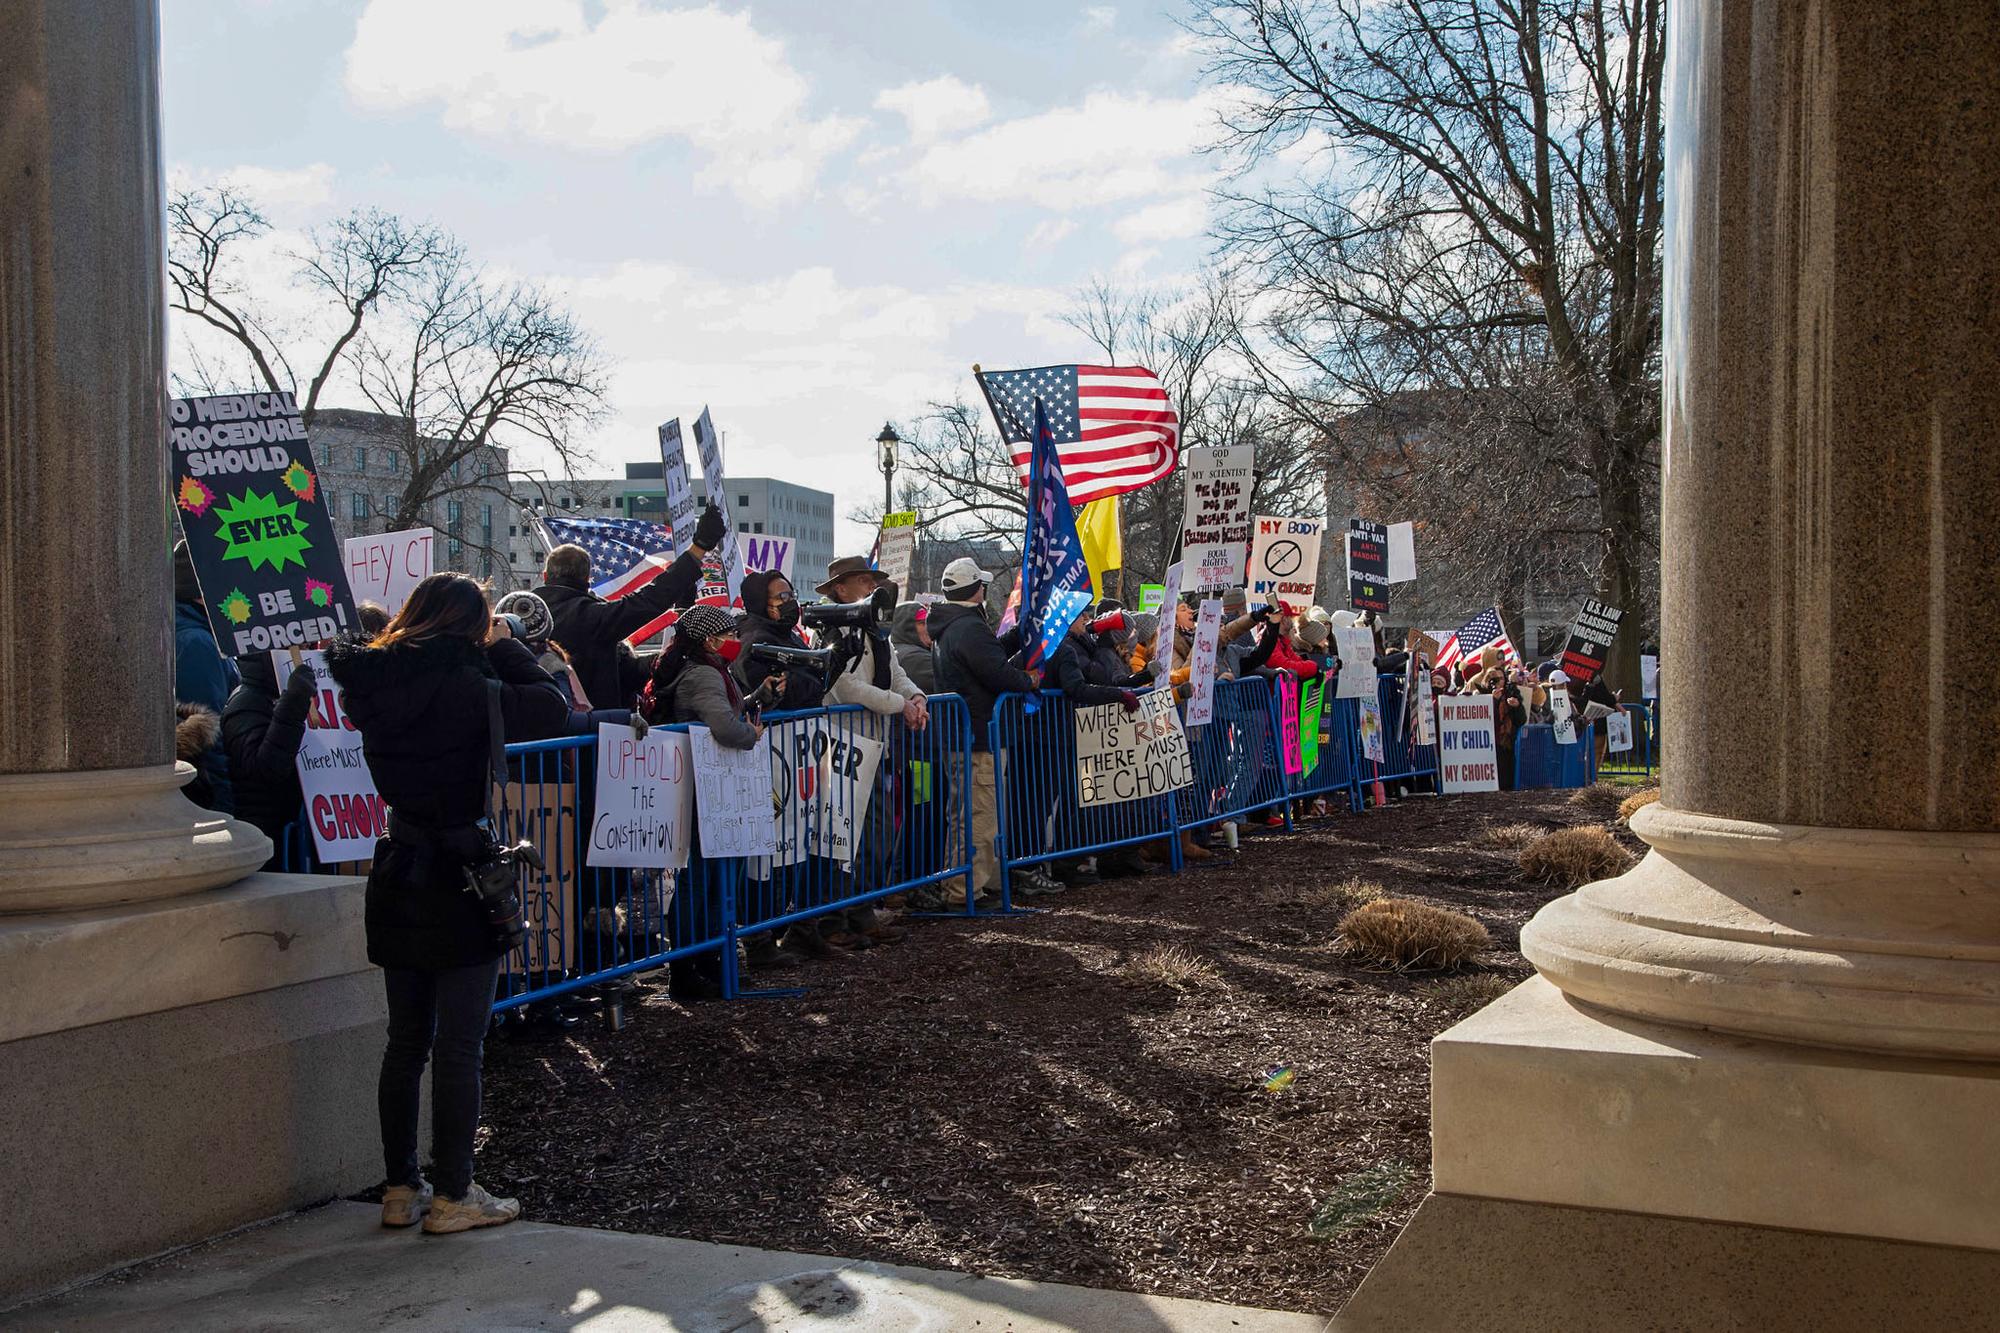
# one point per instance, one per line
(494, 880)
(856, 615)
(791, 657)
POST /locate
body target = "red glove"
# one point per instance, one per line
(1128, 701)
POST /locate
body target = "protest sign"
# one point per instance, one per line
(247, 494)
(1369, 712)
(383, 567)
(1563, 714)
(1426, 720)
(1649, 676)
(733, 797)
(1151, 597)
(1163, 637)
(708, 448)
(1355, 646)
(1215, 517)
(546, 814)
(829, 776)
(1289, 723)
(682, 512)
(1590, 640)
(1367, 565)
(1201, 663)
(1311, 705)
(768, 554)
(1402, 552)
(645, 799)
(1467, 758)
(1127, 758)
(342, 807)
(896, 550)
(1420, 645)
(1284, 561)
(1618, 732)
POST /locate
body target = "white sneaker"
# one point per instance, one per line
(476, 1209)
(402, 1205)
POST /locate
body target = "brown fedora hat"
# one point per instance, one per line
(841, 568)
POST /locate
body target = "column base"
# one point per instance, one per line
(1865, 939)
(75, 840)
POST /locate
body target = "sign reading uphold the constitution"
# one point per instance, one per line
(249, 503)
(1122, 757)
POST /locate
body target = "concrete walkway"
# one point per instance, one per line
(334, 1268)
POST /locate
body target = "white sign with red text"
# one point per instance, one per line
(383, 567)
(645, 799)
(343, 809)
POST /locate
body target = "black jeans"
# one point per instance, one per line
(444, 1012)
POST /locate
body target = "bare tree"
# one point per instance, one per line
(1482, 216)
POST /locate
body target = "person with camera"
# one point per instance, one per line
(771, 617)
(592, 631)
(427, 695)
(971, 663)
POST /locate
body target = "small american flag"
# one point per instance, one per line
(1114, 428)
(625, 554)
(1483, 631)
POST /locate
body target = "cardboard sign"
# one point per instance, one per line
(1289, 725)
(384, 568)
(545, 814)
(1367, 565)
(1163, 637)
(1201, 663)
(1420, 645)
(343, 809)
(1402, 552)
(1618, 732)
(896, 550)
(1590, 640)
(1355, 645)
(708, 448)
(768, 554)
(1649, 675)
(1152, 596)
(1284, 561)
(1127, 758)
(248, 498)
(1215, 517)
(682, 512)
(1312, 704)
(645, 799)
(1467, 758)
(1369, 711)
(733, 797)
(1563, 715)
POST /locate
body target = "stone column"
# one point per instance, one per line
(1826, 852)
(90, 807)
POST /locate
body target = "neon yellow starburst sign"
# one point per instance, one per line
(258, 529)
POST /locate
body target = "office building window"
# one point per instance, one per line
(360, 459)
(360, 502)
(742, 502)
(756, 527)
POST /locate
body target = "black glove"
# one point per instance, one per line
(710, 528)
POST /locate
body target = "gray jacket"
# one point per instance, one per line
(700, 696)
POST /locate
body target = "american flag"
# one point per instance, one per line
(625, 554)
(1114, 429)
(1483, 631)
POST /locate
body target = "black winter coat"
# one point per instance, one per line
(261, 731)
(803, 688)
(1079, 675)
(592, 630)
(422, 711)
(971, 663)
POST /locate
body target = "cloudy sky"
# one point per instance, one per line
(810, 215)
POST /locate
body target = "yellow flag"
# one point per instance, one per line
(1097, 528)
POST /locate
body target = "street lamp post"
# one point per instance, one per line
(885, 458)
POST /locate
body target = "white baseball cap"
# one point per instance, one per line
(1558, 677)
(961, 574)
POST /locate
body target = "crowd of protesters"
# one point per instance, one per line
(439, 689)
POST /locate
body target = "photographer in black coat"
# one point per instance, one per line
(593, 631)
(422, 693)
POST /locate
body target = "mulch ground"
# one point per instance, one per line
(1007, 1096)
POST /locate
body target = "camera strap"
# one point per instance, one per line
(496, 740)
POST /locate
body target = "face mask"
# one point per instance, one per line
(788, 613)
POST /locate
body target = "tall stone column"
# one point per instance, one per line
(90, 807)
(1826, 852)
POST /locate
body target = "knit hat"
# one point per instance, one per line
(1235, 602)
(186, 588)
(698, 624)
(1312, 633)
(1317, 614)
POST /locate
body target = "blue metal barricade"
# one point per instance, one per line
(1237, 768)
(1643, 758)
(1403, 758)
(1327, 766)
(1540, 762)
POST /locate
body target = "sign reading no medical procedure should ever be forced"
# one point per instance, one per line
(249, 503)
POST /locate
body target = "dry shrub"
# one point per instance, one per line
(1170, 967)
(1509, 837)
(1636, 802)
(1573, 856)
(1356, 893)
(1400, 934)
(1475, 990)
(1601, 799)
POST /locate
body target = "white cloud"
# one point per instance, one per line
(542, 70)
(1169, 220)
(936, 107)
(1048, 232)
(284, 193)
(1099, 18)
(1112, 148)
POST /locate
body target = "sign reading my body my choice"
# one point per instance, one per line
(248, 497)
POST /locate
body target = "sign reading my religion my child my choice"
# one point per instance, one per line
(256, 525)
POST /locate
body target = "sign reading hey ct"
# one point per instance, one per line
(248, 498)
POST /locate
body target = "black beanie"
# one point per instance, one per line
(186, 589)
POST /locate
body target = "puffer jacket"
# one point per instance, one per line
(262, 730)
(422, 712)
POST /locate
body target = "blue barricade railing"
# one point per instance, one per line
(1237, 765)
(1643, 758)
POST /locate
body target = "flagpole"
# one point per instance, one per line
(1118, 509)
